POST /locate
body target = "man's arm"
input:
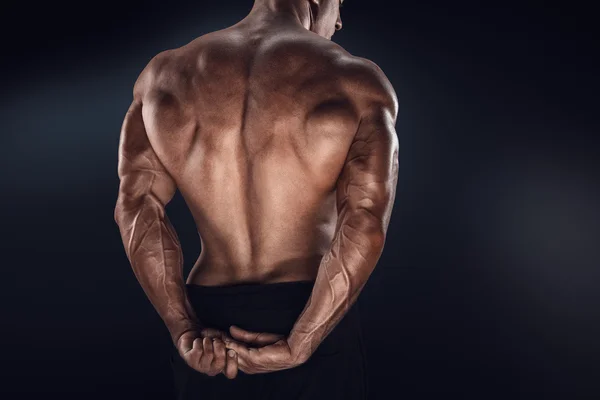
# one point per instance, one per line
(366, 191)
(151, 243)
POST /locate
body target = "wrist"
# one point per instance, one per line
(177, 329)
(299, 347)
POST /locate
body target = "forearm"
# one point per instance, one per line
(154, 252)
(343, 272)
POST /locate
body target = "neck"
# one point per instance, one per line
(295, 11)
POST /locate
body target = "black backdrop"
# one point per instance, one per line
(488, 287)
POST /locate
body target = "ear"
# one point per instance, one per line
(315, 8)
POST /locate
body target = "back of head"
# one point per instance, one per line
(319, 16)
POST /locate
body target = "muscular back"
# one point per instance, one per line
(254, 128)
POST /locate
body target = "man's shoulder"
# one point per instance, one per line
(366, 79)
(166, 68)
(160, 68)
(361, 77)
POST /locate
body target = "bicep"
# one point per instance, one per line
(366, 187)
(141, 173)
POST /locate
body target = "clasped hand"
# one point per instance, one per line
(212, 352)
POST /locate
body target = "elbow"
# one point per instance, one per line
(372, 228)
(123, 207)
(127, 207)
(377, 243)
(378, 240)
(118, 213)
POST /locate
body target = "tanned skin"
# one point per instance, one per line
(284, 148)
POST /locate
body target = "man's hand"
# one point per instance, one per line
(272, 353)
(205, 352)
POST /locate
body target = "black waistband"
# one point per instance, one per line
(251, 296)
(252, 288)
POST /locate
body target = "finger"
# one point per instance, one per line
(247, 357)
(197, 344)
(192, 356)
(186, 343)
(219, 359)
(242, 334)
(231, 369)
(207, 356)
(257, 338)
(225, 337)
(211, 332)
(240, 348)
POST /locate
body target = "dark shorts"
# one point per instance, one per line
(336, 370)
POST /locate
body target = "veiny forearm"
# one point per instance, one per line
(155, 255)
(343, 272)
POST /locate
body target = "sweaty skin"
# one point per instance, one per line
(284, 148)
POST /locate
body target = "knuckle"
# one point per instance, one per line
(217, 368)
(219, 364)
(196, 355)
(219, 342)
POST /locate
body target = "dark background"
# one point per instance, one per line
(488, 287)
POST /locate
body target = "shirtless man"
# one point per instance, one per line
(284, 148)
